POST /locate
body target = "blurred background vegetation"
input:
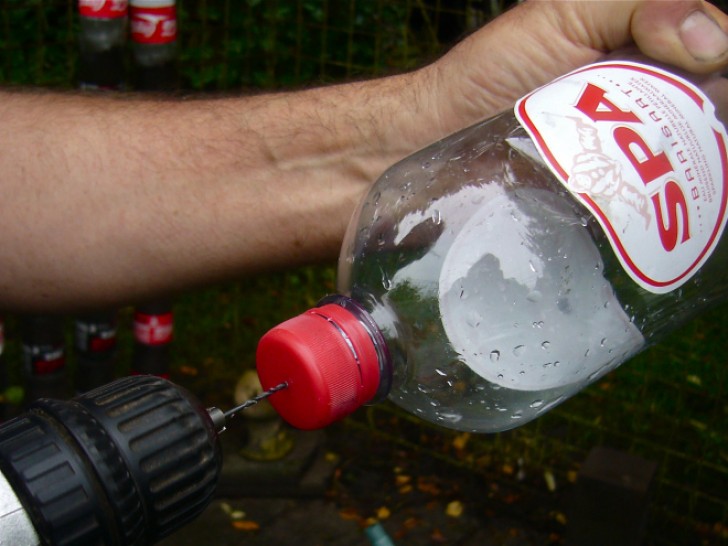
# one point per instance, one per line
(669, 405)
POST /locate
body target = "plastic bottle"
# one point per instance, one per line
(497, 272)
(154, 44)
(153, 334)
(44, 357)
(102, 36)
(95, 343)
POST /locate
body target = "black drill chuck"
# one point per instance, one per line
(125, 464)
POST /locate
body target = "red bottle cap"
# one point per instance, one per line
(328, 360)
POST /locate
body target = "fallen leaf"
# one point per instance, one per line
(461, 440)
(559, 517)
(695, 380)
(383, 512)
(548, 477)
(426, 486)
(349, 514)
(454, 509)
(246, 525)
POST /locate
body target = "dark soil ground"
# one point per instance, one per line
(341, 482)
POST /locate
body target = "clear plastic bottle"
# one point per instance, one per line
(102, 36)
(497, 272)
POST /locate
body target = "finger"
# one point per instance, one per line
(688, 34)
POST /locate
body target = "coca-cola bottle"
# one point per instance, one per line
(102, 36)
(44, 357)
(154, 44)
(153, 333)
(493, 274)
(95, 343)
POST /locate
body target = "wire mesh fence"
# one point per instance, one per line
(668, 405)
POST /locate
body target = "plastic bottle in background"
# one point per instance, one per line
(95, 343)
(102, 38)
(44, 357)
(4, 379)
(153, 333)
(154, 44)
(494, 274)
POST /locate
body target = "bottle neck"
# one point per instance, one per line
(375, 334)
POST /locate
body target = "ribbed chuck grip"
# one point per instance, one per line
(124, 464)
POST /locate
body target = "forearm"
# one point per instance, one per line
(110, 200)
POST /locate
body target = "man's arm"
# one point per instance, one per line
(108, 200)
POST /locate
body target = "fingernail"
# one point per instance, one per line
(702, 37)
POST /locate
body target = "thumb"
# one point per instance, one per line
(688, 34)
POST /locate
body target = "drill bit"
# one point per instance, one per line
(254, 400)
(219, 418)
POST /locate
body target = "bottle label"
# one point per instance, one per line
(43, 359)
(95, 337)
(103, 9)
(153, 329)
(643, 150)
(154, 24)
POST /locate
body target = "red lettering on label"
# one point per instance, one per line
(650, 166)
(677, 209)
(596, 107)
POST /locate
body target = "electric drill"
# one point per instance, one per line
(127, 463)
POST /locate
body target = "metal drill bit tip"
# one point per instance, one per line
(254, 400)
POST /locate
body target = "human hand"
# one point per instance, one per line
(540, 40)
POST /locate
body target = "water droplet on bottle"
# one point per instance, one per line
(500, 376)
(536, 404)
(518, 350)
(517, 415)
(473, 319)
(545, 345)
(439, 372)
(603, 342)
(376, 197)
(436, 217)
(452, 417)
(534, 296)
(531, 266)
(494, 356)
(426, 165)
(386, 281)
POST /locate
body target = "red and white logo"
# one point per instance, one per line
(103, 9)
(153, 329)
(643, 150)
(154, 22)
